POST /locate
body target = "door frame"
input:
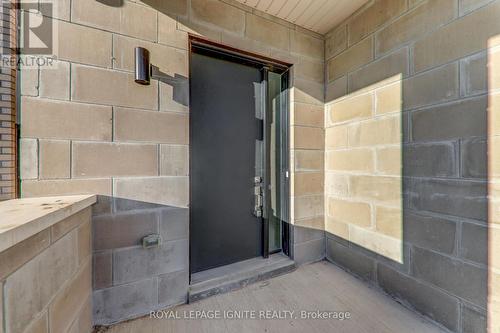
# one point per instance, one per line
(209, 47)
(244, 57)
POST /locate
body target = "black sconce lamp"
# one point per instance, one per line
(145, 71)
(142, 66)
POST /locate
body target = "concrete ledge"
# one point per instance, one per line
(23, 218)
(53, 268)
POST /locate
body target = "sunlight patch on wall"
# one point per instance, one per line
(363, 167)
(307, 142)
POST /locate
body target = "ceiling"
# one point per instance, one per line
(316, 15)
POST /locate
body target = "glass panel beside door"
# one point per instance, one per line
(277, 160)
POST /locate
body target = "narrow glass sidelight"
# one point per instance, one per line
(277, 159)
(271, 181)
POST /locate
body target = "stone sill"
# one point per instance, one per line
(23, 218)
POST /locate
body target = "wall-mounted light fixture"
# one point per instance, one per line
(142, 66)
(145, 71)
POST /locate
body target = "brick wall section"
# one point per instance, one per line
(440, 50)
(53, 268)
(8, 146)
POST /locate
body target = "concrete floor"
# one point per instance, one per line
(319, 286)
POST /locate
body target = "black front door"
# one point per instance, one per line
(223, 134)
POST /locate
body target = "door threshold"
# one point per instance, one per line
(231, 277)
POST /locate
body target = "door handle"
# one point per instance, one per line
(258, 200)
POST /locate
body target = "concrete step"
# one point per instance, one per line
(238, 275)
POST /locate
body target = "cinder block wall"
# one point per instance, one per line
(86, 127)
(427, 64)
(46, 280)
(129, 280)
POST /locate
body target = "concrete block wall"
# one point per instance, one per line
(46, 280)
(432, 64)
(106, 130)
(129, 280)
(86, 127)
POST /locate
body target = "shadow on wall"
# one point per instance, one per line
(112, 3)
(201, 22)
(305, 90)
(154, 278)
(179, 84)
(411, 184)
